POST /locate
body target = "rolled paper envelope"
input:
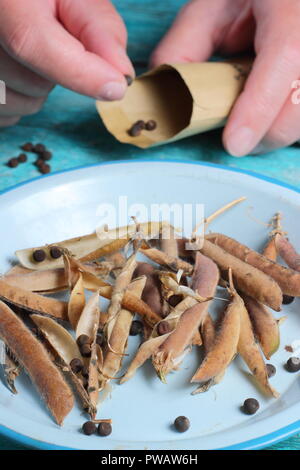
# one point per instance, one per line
(183, 100)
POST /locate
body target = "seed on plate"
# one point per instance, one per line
(44, 169)
(128, 79)
(28, 147)
(163, 328)
(39, 162)
(85, 350)
(89, 428)
(287, 299)
(85, 372)
(46, 155)
(250, 406)
(104, 429)
(293, 364)
(55, 252)
(150, 125)
(76, 365)
(182, 424)
(38, 148)
(13, 163)
(22, 158)
(271, 370)
(83, 339)
(136, 328)
(39, 256)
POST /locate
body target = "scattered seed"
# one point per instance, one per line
(104, 429)
(39, 162)
(271, 370)
(150, 125)
(44, 169)
(76, 365)
(89, 428)
(22, 158)
(287, 299)
(182, 424)
(128, 79)
(28, 147)
(55, 252)
(46, 155)
(39, 256)
(13, 163)
(163, 328)
(136, 328)
(293, 364)
(250, 406)
(85, 350)
(39, 148)
(83, 339)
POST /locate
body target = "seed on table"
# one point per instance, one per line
(104, 429)
(13, 163)
(287, 299)
(128, 79)
(83, 339)
(250, 406)
(55, 252)
(89, 428)
(150, 125)
(39, 256)
(271, 370)
(85, 372)
(293, 364)
(76, 365)
(85, 350)
(46, 155)
(136, 328)
(39, 148)
(22, 158)
(163, 328)
(182, 424)
(28, 147)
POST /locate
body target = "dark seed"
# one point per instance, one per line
(55, 252)
(85, 350)
(39, 148)
(13, 163)
(174, 300)
(150, 125)
(271, 370)
(39, 162)
(104, 429)
(85, 372)
(22, 158)
(163, 328)
(100, 338)
(83, 339)
(39, 256)
(89, 428)
(46, 155)
(76, 365)
(128, 79)
(250, 406)
(287, 299)
(182, 423)
(28, 147)
(293, 364)
(136, 328)
(136, 128)
(44, 169)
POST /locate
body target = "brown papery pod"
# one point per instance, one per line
(32, 355)
(76, 303)
(183, 100)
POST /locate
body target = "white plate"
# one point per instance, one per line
(64, 205)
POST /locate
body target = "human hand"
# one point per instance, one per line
(264, 117)
(79, 44)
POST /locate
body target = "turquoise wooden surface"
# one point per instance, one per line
(70, 127)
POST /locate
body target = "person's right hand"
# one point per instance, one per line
(79, 44)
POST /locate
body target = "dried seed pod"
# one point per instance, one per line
(164, 259)
(32, 355)
(152, 291)
(76, 303)
(11, 368)
(247, 278)
(89, 317)
(287, 252)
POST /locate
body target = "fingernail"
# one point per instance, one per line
(113, 91)
(240, 141)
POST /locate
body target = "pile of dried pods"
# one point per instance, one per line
(172, 295)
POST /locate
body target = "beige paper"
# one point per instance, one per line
(183, 99)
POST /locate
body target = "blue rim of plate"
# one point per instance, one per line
(256, 443)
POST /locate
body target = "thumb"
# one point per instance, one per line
(32, 35)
